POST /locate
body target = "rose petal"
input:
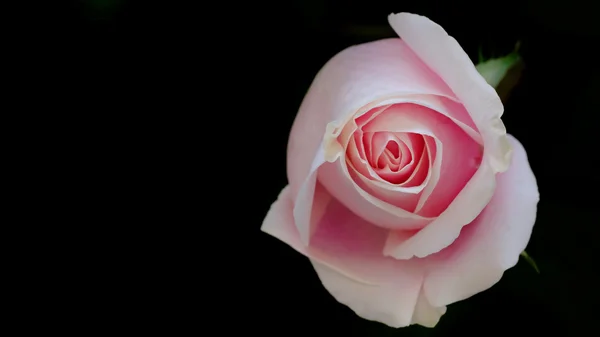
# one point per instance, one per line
(414, 144)
(405, 201)
(343, 241)
(397, 304)
(420, 167)
(455, 111)
(426, 314)
(311, 201)
(337, 180)
(449, 61)
(493, 242)
(346, 253)
(279, 221)
(442, 231)
(369, 151)
(357, 156)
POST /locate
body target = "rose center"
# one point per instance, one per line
(390, 157)
(393, 149)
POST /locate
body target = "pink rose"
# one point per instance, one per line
(404, 190)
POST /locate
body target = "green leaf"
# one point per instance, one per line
(494, 70)
(530, 261)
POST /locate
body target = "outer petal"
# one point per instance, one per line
(392, 303)
(425, 313)
(397, 304)
(492, 243)
(279, 221)
(346, 252)
(444, 230)
(311, 201)
(447, 59)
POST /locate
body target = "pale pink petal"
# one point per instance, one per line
(367, 139)
(343, 241)
(455, 111)
(369, 115)
(420, 172)
(355, 154)
(460, 160)
(352, 245)
(336, 178)
(492, 243)
(311, 201)
(410, 139)
(279, 221)
(351, 130)
(397, 304)
(405, 201)
(435, 151)
(442, 231)
(406, 154)
(448, 60)
(409, 117)
(345, 85)
(346, 253)
(426, 314)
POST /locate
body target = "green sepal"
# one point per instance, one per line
(494, 70)
(530, 261)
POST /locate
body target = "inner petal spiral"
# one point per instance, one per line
(392, 156)
(395, 152)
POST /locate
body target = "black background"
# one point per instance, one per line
(240, 72)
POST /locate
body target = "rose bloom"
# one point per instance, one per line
(405, 192)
